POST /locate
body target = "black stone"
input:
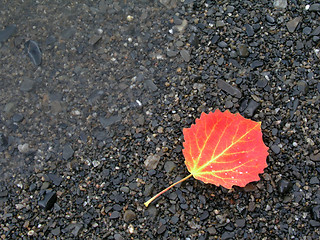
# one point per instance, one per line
(33, 51)
(49, 198)
(251, 108)
(204, 215)
(194, 40)
(284, 186)
(3, 142)
(243, 105)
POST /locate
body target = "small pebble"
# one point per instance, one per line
(284, 186)
(152, 162)
(129, 215)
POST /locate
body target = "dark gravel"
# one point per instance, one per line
(91, 90)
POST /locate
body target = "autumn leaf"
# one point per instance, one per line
(223, 149)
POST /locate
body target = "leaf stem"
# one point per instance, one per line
(163, 191)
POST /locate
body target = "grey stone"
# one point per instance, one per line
(228, 104)
(129, 215)
(17, 117)
(282, 4)
(220, 61)
(6, 33)
(169, 166)
(148, 188)
(314, 180)
(249, 30)
(172, 53)
(256, 63)
(220, 23)
(315, 211)
(316, 31)
(149, 84)
(27, 85)
(3, 142)
(315, 157)
(56, 231)
(106, 122)
(56, 179)
(314, 7)
(241, 222)
(276, 149)
(230, 9)
(314, 223)
(303, 87)
(33, 50)
(270, 19)
(234, 91)
(292, 24)
(94, 39)
(23, 148)
(204, 215)
(169, 3)
(185, 55)
(227, 235)
(118, 236)
(222, 44)
(114, 215)
(307, 30)
(243, 50)
(67, 152)
(152, 162)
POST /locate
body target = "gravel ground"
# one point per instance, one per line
(90, 90)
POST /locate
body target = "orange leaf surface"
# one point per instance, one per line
(223, 149)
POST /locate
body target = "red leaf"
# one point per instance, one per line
(223, 149)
